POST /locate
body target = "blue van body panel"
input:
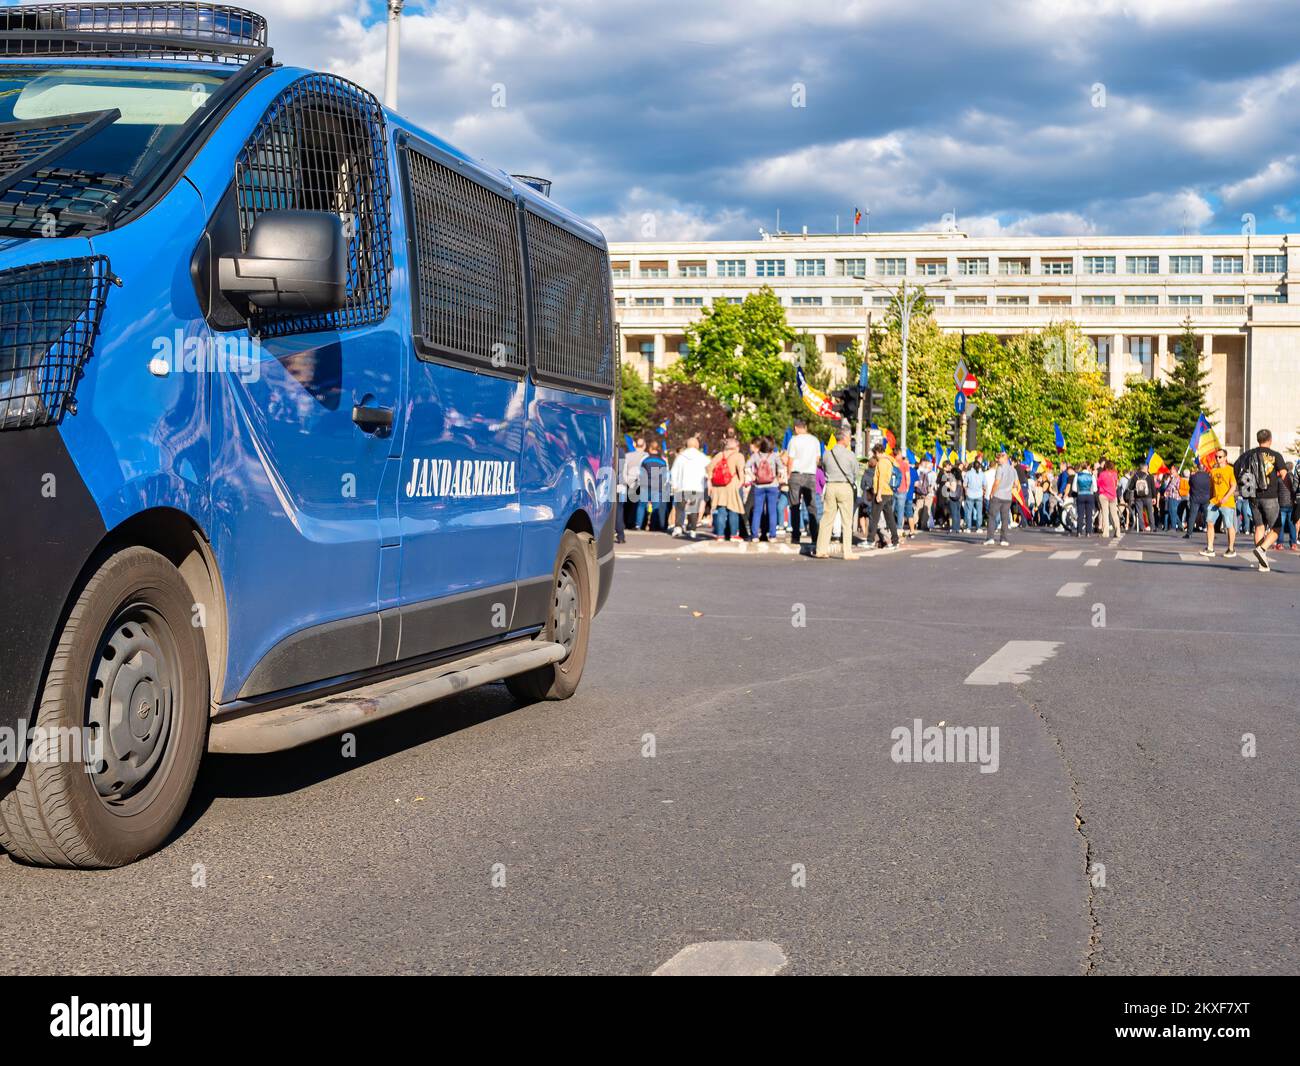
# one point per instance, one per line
(328, 565)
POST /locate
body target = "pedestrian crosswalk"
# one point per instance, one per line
(716, 548)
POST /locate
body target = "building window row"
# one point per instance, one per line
(897, 266)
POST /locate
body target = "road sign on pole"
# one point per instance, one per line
(969, 385)
(959, 375)
(959, 403)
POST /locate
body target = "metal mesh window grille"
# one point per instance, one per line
(321, 147)
(49, 315)
(571, 306)
(466, 238)
(177, 30)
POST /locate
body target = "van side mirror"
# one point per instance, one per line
(296, 261)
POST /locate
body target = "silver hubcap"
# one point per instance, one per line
(132, 702)
(566, 608)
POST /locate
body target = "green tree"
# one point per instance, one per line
(735, 354)
(636, 402)
(690, 410)
(1186, 395)
(931, 360)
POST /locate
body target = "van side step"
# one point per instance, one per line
(301, 723)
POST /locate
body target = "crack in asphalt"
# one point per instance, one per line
(1094, 922)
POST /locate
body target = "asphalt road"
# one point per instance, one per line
(481, 837)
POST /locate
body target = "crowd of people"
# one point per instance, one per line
(765, 492)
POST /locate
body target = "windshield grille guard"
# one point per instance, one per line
(28, 147)
(49, 318)
(183, 29)
(58, 202)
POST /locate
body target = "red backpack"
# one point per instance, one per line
(763, 472)
(721, 472)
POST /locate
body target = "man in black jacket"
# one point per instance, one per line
(1142, 487)
(1258, 481)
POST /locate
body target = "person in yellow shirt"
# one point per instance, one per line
(1223, 503)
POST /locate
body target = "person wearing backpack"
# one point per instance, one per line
(950, 495)
(726, 475)
(1258, 482)
(1085, 486)
(766, 472)
(883, 485)
(805, 454)
(923, 497)
(1143, 487)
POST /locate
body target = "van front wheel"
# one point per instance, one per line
(121, 724)
(568, 623)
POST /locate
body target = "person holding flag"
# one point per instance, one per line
(1006, 483)
(1223, 505)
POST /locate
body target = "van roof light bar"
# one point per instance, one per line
(180, 29)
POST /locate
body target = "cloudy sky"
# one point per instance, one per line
(1021, 116)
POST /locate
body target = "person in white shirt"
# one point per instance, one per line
(805, 453)
(689, 481)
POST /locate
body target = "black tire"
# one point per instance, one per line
(128, 642)
(573, 592)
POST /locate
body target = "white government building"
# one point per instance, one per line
(1129, 295)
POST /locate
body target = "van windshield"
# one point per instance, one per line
(74, 189)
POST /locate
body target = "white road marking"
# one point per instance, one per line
(1065, 555)
(1192, 557)
(1001, 553)
(1130, 556)
(938, 553)
(1010, 664)
(726, 958)
(1114, 542)
(1093, 562)
(1072, 588)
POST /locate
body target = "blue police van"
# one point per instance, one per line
(306, 418)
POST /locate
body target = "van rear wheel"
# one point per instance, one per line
(121, 724)
(568, 623)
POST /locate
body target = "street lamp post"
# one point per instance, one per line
(907, 300)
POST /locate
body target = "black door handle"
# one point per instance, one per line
(373, 419)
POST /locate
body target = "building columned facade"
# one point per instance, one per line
(1129, 295)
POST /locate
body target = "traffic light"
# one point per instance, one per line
(846, 403)
(869, 410)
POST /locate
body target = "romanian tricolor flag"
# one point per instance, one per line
(1205, 442)
(857, 216)
(1155, 464)
(1032, 460)
(662, 428)
(1060, 437)
(817, 402)
(1019, 497)
(890, 439)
